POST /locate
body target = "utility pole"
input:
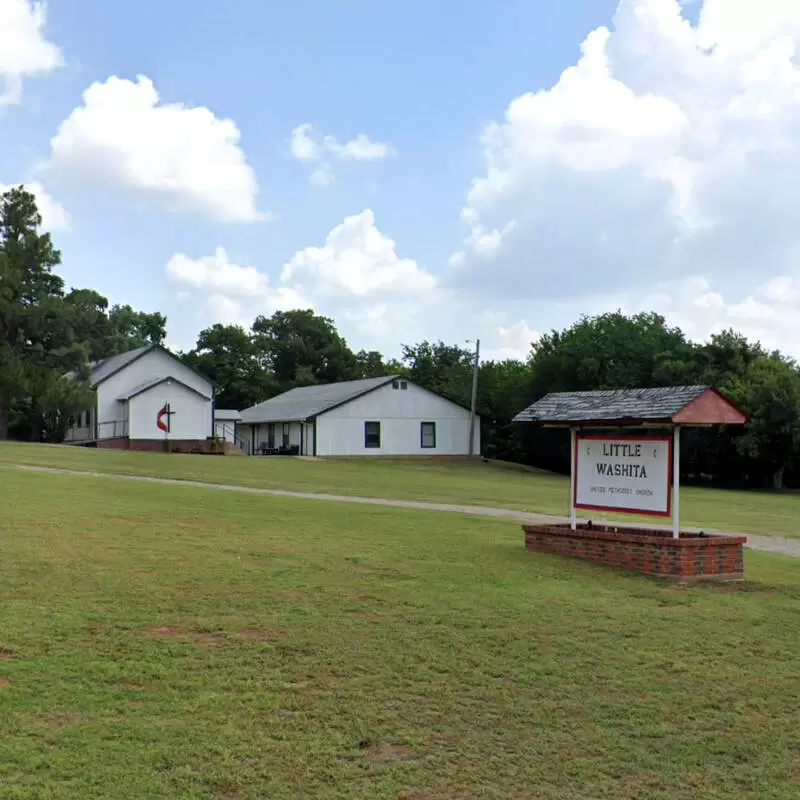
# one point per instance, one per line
(474, 397)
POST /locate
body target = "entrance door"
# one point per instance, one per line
(271, 435)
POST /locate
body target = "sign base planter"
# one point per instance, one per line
(691, 558)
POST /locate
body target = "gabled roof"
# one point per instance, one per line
(106, 367)
(305, 402)
(686, 405)
(131, 393)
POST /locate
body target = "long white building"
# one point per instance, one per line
(388, 416)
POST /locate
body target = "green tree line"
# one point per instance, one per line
(47, 332)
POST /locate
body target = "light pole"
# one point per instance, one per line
(474, 400)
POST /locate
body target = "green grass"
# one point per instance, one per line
(161, 641)
(460, 482)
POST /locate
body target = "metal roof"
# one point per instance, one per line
(108, 366)
(305, 402)
(227, 414)
(622, 405)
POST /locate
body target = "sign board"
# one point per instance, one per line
(619, 473)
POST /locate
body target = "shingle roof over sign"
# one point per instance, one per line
(611, 406)
(306, 402)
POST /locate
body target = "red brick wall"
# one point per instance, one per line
(157, 445)
(690, 558)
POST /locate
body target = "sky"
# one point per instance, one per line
(444, 171)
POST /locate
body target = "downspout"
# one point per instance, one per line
(315, 438)
(302, 426)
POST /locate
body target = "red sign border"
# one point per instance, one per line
(614, 509)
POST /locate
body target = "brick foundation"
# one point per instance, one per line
(692, 558)
(207, 446)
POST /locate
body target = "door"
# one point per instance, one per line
(271, 435)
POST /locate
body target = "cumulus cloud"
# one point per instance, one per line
(186, 159)
(767, 311)
(24, 50)
(668, 150)
(505, 340)
(55, 218)
(307, 144)
(356, 275)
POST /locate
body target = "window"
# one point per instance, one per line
(427, 434)
(404, 385)
(372, 434)
(285, 433)
(395, 384)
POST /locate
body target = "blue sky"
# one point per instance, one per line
(469, 208)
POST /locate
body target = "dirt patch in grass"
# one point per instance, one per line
(181, 634)
(6, 654)
(4, 682)
(294, 596)
(262, 636)
(387, 753)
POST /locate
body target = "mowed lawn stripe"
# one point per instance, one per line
(452, 482)
(162, 641)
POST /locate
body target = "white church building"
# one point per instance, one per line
(145, 398)
(389, 416)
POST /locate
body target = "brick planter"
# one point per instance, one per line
(692, 558)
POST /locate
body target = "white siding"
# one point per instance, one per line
(153, 365)
(340, 431)
(191, 420)
(308, 439)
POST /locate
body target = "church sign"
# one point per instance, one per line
(627, 474)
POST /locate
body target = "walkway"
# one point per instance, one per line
(768, 544)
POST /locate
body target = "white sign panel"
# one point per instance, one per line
(623, 474)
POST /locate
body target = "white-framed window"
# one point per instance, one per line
(427, 435)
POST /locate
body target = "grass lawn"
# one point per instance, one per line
(477, 484)
(162, 641)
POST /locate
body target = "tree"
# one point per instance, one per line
(370, 364)
(443, 368)
(131, 329)
(770, 392)
(227, 355)
(36, 343)
(610, 351)
(300, 345)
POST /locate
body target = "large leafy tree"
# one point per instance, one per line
(301, 347)
(37, 343)
(443, 368)
(227, 355)
(130, 328)
(769, 390)
(609, 351)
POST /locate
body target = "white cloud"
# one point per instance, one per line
(357, 260)
(308, 145)
(303, 145)
(24, 52)
(668, 150)
(186, 159)
(356, 276)
(55, 218)
(322, 176)
(216, 273)
(359, 149)
(506, 341)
